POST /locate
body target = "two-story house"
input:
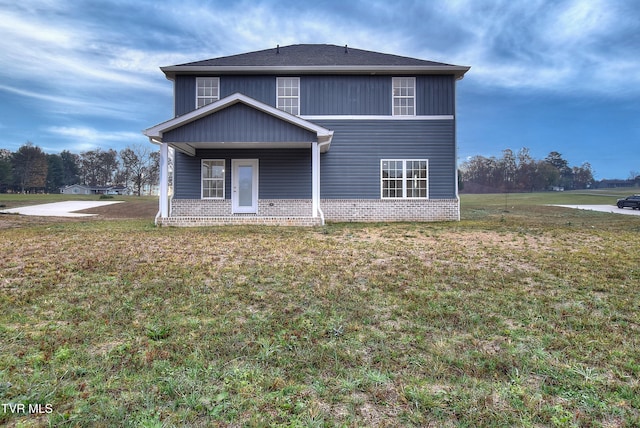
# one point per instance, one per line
(303, 133)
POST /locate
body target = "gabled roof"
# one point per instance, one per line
(155, 133)
(315, 58)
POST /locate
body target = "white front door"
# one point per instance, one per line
(244, 180)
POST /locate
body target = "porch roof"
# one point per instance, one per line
(158, 133)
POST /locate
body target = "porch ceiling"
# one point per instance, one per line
(190, 148)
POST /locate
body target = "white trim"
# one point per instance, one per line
(377, 117)
(404, 180)
(214, 98)
(457, 70)
(288, 97)
(315, 179)
(403, 97)
(455, 148)
(224, 167)
(235, 208)
(164, 181)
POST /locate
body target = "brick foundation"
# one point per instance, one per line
(347, 210)
(222, 207)
(297, 212)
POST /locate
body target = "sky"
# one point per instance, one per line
(548, 75)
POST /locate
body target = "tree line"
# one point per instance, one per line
(520, 172)
(31, 170)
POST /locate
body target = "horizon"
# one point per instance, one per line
(546, 75)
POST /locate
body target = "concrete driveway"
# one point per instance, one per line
(603, 208)
(59, 209)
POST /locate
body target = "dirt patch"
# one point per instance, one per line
(130, 209)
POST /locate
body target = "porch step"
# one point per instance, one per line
(186, 221)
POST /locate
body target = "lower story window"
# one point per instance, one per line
(404, 178)
(213, 178)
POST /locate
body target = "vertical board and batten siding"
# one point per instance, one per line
(345, 95)
(184, 93)
(351, 168)
(283, 173)
(436, 95)
(372, 95)
(260, 88)
(239, 123)
(330, 95)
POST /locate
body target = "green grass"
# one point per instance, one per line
(524, 316)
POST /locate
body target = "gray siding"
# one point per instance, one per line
(283, 173)
(345, 95)
(184, 88)
(239, 123)
(437, 95)
(331, 95)
(372, 95)
(261, 88)
(351, 168)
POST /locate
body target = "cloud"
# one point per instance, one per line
(66, 58)
(565, 46)
(533, 45)
(87, 138)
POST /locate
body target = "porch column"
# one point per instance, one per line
(164, 180)
(315, 178)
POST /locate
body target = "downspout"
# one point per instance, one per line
(163, 208)
(164, 180)
(455, 142)
(319, 199)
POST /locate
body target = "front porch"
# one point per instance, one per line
(233, 157)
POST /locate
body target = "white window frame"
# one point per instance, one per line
(220, 179)
(293, 108)
(209, 93)
(404, 179)
(403, 90)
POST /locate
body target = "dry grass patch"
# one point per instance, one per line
(487, 322)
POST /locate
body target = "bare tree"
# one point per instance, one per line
(139, 166)
(522, 172)
(98, 167)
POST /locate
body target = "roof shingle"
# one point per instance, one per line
(313, 58)
(306, 55)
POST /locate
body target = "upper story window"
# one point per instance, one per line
(207, 90)
(404, 96)
(288, 94)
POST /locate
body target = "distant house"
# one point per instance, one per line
(612, 184)
(81, 189)
(303, 133)
(76, 189)
(119, 190)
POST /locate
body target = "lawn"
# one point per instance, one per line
(519, 315)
